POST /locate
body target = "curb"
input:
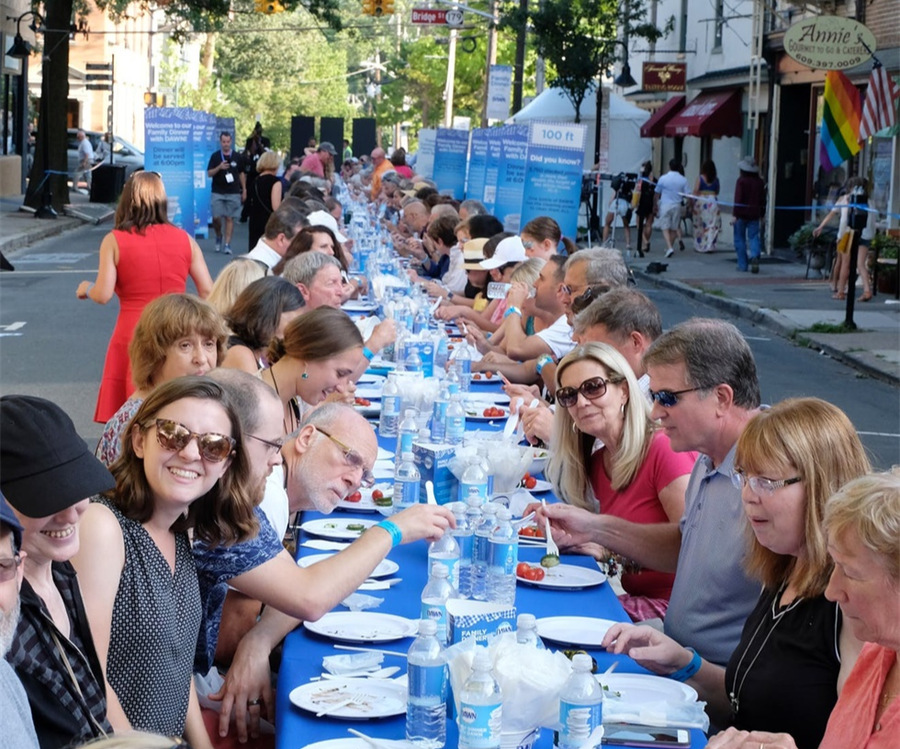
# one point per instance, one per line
(769, 320)
(47, 228)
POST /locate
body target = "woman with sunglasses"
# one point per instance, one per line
(319, 358)
(143, 257)
(181, 471)
(794, 654)
(634, 475)
(542, 238)
(176, 335)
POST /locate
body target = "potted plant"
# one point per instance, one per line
(803, 242)
(885, 249)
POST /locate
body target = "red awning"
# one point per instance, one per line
(655, 127)
(716, 114)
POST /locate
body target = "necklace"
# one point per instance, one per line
(289, 420)
(735, 694)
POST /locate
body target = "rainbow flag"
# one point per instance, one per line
(841, 111)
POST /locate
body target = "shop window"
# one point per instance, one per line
(719, 24)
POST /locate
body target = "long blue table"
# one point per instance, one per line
(303, 651)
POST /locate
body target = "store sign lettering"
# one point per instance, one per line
(829, 43)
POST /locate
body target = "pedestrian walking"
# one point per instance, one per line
(229, 190)
(705, 210)
(749, 206)
(670, 190)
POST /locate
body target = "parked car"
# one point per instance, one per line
(124, 153)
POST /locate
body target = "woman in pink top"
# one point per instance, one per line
(608, 458)
(141, 259)
(863, 525)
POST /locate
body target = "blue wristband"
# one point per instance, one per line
(396, 534)
(512, 311)
(368, 353)
(543, 361)
(683, 674)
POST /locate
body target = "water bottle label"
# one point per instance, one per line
(390, 405)
(404, 444)
(576, 721)
(452, 565)
(504, 556)
(436, 611)
(467, 490)
(428, 681)
(479, 725)
(456, 427)
(406, 493)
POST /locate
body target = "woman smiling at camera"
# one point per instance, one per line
(794, 654)
(182, 470)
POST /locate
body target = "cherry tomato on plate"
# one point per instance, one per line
(377, 494)
(355, 497)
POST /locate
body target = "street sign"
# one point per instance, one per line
(436, 17)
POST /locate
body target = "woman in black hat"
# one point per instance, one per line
(183, 469)
(47, 474)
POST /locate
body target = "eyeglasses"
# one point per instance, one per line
(669, 398)
(583, 300)
(760, 484)
(571, 290)
(592, 389)
(353, 458)
(528, 245)
(8, 567)
(273, 446)
(174, 436)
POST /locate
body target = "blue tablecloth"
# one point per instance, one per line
(303, 651)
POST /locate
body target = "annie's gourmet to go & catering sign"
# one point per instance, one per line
(829, 43)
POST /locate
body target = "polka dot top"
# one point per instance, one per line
(155, 623)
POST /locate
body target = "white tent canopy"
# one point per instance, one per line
(627, 150)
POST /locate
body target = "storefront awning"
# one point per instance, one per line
(655, 127)
(717, 114)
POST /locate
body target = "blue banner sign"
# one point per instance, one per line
(451, 154)
(169, 150)
(477, 164)
(511, 175)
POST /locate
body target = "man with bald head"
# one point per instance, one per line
(381, 165)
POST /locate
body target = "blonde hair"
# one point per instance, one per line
(268, 162)
(570, 458)
(869, 507)
(136, 740)
(814, 440)
(232, 280)
(528, 270)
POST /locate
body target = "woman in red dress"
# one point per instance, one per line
(142, 258)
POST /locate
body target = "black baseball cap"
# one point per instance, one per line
(8, 518)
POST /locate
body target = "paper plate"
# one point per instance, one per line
(341, 530)
(384, 454)
(366, 503)
(376, 698)
(574, 630)
(383, 469)
(567, 577)
(488, 399)
(363, 626)
(371, 392)
(479, 414)
(358, 305)
(369, 379)
(385, 568)
(645, 689)
(373, 409)
(539, 488)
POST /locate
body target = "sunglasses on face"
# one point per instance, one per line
(760, 484)
(8, 567)
(592, 389)
(669, 398)
(173, 436)
(354, 460)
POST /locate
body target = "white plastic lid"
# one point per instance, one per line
(439, 569)
(582, 662)
(525, 620)
(427, 627)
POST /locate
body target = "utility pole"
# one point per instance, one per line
(451, 76)
(519, 68)
(491, 58)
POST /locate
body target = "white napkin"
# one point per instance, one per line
(324, 545)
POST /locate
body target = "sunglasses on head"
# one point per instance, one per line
(175, 437)
(592, 389)
(669, 398)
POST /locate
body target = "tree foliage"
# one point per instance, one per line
(582, 39)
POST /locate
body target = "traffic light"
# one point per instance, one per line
(368, 7)
(379, 8)
(269, 7)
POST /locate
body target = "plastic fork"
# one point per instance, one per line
(552, 548)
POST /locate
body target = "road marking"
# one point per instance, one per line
(53, 257)
(879, 434)
(12, 326)
(756, 338)
(83, 272)
(10, 335)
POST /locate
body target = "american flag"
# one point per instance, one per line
(880, 109)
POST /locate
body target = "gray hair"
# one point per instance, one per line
(247, 392)
(604, 266)
(622, 311)
(473, 207)
(713, 353)
(304, 267)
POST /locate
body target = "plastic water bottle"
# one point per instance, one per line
(580, 704)
(453, 380)
(464, 534)
(503, 556)
(481, 546)
(455, 428)
(463, 363)
(420, 321)
(426, 707)
(389, 421)
(406, 482)
(439, 416)
(473, 482)
(407, 432)
(413, 361)
(441, 349)
(445, 551)
(437, 591)
(488, 468)
(480, 706)
(526, 631)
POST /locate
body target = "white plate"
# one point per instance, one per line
(371, 379)
(567, 576)
(574, 630)
(385, 568)
(539, 488)
(336, 528)
(340, 744)
(377, 364)
(645, 689)
(382, 698)
(495, 380)
(478, 415)
(363, 626)
(384, 454)
(371, 392)
(383, 469)
(357, 305)
(373, 409)
(366, 504)
(489, 399)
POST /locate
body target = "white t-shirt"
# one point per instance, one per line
(85, 152)
(264, 254)
(275, 502)
(670, 188)
(455, 277)
(558, 337)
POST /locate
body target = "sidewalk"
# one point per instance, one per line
(19, 229)
(780, 299)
